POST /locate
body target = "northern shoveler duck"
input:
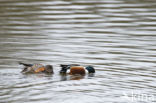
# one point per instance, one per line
(36, 68)
(76, 69)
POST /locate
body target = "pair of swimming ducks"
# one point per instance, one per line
(71, 69)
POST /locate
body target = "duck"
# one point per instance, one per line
(74, 69)
(36, 68)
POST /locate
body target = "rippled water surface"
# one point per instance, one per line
(117, 37)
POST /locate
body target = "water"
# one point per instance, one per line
(117, 37)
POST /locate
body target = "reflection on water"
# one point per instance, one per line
(115, 36)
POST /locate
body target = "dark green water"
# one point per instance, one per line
(117, 37)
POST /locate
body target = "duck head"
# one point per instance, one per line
(49, 69)
(90, 69)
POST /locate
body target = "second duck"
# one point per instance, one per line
(73, 69)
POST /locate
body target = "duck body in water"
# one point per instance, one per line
(73, 69)
(36, 68)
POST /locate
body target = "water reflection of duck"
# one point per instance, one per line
(76, 69)
(71, 77)
(36, 68)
